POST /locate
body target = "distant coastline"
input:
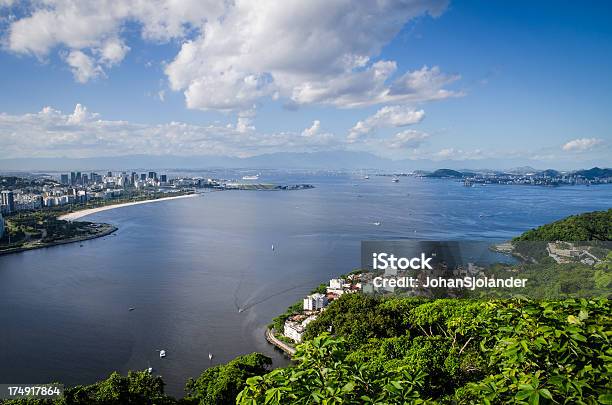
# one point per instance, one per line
(90, 211)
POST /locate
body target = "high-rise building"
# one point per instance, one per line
(109, 174)
(163, 178)
(79, 179)
(72, 178)
(8, 201)
(85, 179)
(64, 179)
(143, 176)
(153, 175)
(133, 178)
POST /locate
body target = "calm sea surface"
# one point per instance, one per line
(188, 265)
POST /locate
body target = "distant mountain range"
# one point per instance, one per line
(329, 160)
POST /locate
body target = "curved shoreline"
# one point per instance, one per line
(288, 350)
(83, 213)
(109, 229)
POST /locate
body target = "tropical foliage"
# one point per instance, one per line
(449, 351)
(595, 225)
(220, 384)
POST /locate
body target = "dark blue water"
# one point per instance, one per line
(188, 265)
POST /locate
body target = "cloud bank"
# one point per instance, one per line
(233, 54)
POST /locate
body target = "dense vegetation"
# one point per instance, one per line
(446, 173)
(221, 384)
(399, 350)
(216, 385)
(138, 387)
(584, 227)
(41, 226)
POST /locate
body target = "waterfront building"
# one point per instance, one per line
(315, 302)
(295, 327)
(28, 202)
(8, 201)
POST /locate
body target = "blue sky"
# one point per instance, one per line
(524, 82)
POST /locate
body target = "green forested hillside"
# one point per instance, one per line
(584, 227)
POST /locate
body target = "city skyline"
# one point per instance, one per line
(423, 81)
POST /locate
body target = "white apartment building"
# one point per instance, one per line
(315, 302)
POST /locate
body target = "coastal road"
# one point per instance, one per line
(281, 345)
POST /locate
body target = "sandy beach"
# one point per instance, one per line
(80, 214)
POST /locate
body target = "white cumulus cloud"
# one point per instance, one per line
(581, 144)
(83, 67)
(313, 130)
(388, 116)
(409, 138)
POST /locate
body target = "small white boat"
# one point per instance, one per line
(162, 354)
(240, 310)
(132, 308)
(395, 180)
(150, 370)
(366, 177)
(210, 356)
(376, 223)
(272, 247)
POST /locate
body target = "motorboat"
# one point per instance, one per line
(162, 354)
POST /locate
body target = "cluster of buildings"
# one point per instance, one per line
(566, 252)
(122, 180)
(314, 304)
(534, 179)
(77, 188)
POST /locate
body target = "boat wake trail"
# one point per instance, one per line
(237, 291)
(276, 294)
